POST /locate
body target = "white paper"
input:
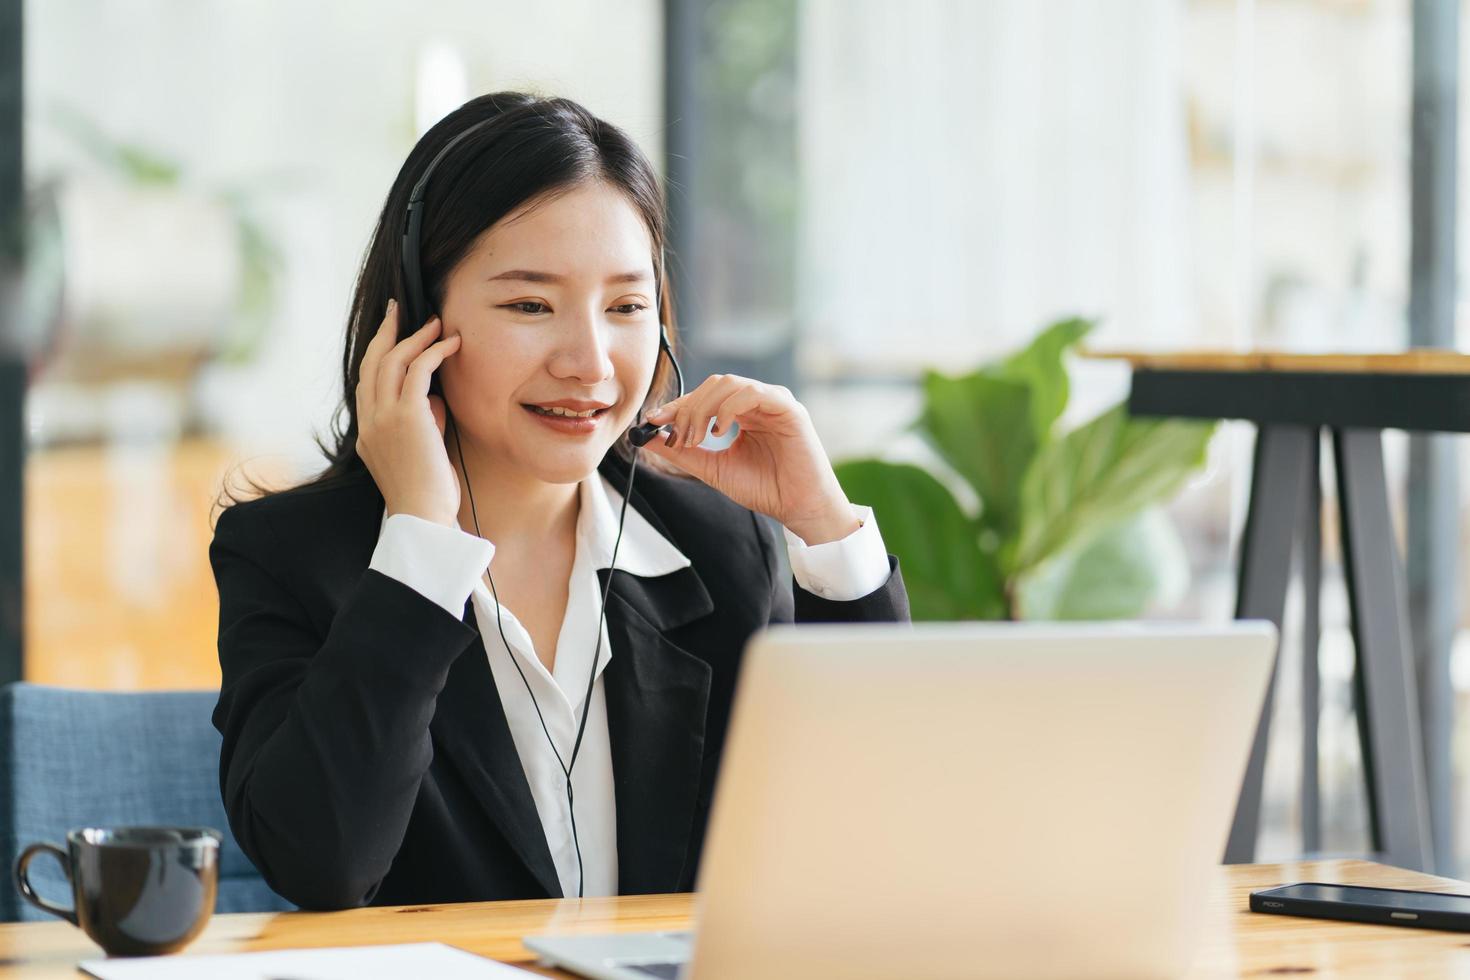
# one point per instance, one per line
(335, 963)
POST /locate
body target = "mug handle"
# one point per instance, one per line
(23, 881)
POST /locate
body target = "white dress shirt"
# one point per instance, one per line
(447, 565)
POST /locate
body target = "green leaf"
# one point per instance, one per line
(1099, 474)
(988, 424)
(1040, 366)
(261, 264)
(141, 165)
(131, 161)
(980, 424)
(1116, 575)
(944, 570)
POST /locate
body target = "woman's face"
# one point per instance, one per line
(555, 305)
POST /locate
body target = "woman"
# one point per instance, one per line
(433, 689)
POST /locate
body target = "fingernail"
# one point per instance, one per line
(673, 438)
(392, 305)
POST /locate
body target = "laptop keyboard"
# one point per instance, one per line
(664, 971)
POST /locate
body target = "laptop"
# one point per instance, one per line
(963, 800)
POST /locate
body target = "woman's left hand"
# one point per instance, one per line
(775, 466)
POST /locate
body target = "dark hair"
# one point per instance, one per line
(534, 148)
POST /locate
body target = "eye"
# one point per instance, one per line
(529, 307)
(629, 309)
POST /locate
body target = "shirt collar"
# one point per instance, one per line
(643, 551)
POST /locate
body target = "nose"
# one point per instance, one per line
(582, 352)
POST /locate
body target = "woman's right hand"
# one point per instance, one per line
(400, 426)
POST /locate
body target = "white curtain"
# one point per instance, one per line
(972, 168)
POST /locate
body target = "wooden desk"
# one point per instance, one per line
(1237, 942)
(1422, 361)
(1419, 390)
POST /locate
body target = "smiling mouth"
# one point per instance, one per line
(563, 413)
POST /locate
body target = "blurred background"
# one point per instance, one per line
(861, 191)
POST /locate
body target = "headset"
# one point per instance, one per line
(415, 311)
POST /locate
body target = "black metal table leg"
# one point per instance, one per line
(12, 492)
(1311, 556)
(1388, 706)
(1278, 489)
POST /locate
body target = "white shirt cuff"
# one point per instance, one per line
(439, 563)
(841, 570)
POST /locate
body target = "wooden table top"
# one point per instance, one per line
(1237, 942)
(1424, 361)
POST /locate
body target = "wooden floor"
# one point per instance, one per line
(118, 589)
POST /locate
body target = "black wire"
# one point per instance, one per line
(566, 767)
(602, 609)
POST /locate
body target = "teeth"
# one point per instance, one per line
(565, 411)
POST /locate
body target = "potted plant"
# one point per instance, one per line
(1067, 524)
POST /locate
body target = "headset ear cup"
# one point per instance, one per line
(413, 313)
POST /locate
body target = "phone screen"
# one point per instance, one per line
(1381, 897)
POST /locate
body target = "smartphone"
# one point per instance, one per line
(1354, 903)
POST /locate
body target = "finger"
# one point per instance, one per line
(737, 405)
(762, 404)
(394, 365)
(679, 424)
(436, 406)
(669, 410)
(693, 411)
(421, 371)
(698, 463)
(701, 413)
(664, 414)
(367, 369)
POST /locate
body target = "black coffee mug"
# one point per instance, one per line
(137, 891)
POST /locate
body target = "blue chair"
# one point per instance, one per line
(87, 758)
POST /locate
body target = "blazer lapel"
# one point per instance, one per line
(470, 725)
(657, 695)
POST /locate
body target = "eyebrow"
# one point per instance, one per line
(529, 275)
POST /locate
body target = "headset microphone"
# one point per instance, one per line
(642, 434)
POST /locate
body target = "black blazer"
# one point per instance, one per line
(366, 756)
